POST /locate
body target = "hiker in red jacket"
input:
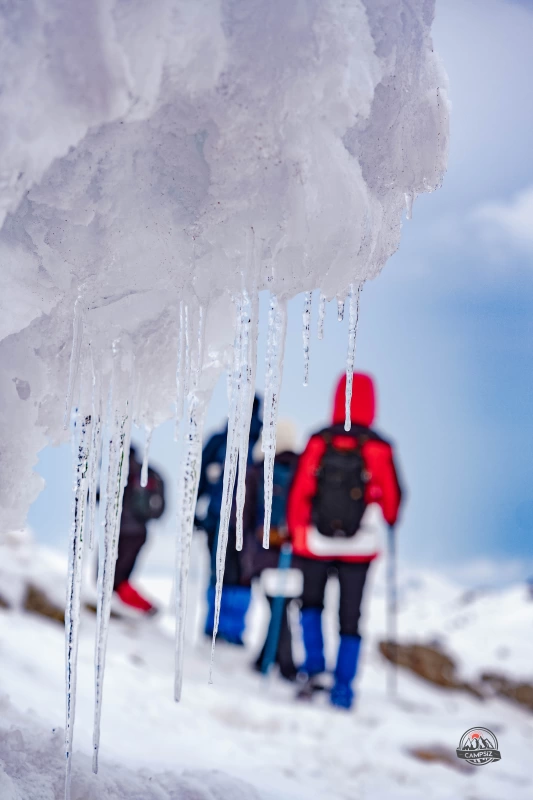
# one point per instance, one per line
(345, 482)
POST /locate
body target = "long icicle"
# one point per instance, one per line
(180, 371)
(82, 445)
(197, 354)
(306, 333)
(355, 296)
(277, 329)
(189, 477)
(340, 310)
(248, 367)
(117, 466)
(146, 455)
(321, 315)
(230, 469)
(77, 336)
(95, 456)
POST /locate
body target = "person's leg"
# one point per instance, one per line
(129, 547)
(352, 578)
(284, 655)
(235, 596)
(315, 575)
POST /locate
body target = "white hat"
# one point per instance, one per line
(286, 440)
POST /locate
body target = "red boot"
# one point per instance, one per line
(132, 598)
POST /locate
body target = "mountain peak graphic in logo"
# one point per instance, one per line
(478, 746)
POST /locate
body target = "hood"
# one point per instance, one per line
(286, 440)
(363, 406)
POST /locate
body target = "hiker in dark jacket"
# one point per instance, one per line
(345, 484)
(236, 593)
(139, 506)
(264, 563)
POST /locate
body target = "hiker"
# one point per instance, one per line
(278, 580)
(345, 482)
(139, 506)
(236, 593)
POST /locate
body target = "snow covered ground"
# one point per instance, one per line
(244, 736)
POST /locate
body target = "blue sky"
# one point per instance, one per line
(446, 328)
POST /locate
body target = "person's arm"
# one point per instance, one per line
(389, 485)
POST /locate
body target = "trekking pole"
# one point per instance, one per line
(278, 609)
(392, 614)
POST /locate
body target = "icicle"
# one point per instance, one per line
(277, 327)
(82, 445)
(249, 322)
(198, 354)
(187, 491)
(306, 333)
(230, 468)
(95, 456)
(321, 315)
(409, 200)
(180, 371)
(77, 336)
(340, 310)
(117, 474)
(187, 354)
(355, 295)
(144, 469)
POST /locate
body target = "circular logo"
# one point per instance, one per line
(478, 746)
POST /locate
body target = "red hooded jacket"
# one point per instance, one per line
(382, 488)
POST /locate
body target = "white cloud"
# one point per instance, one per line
(490, 572)
(511, 221)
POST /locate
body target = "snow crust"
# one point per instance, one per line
(32, 768)
(245, 737)
(183, 152)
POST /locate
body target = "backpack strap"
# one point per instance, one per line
(359, 432)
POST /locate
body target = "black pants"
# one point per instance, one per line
(233, 572)
(352, 578)
(129, 547)
(284, 657)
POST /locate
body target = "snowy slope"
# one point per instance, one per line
(244, 727)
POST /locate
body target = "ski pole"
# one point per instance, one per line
(392, 613)
(278, 609)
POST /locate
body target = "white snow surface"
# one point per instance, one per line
(244, 737)
(186, 151)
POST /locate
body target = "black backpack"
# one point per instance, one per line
(147, 502)
(339, 503)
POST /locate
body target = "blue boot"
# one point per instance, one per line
(233, 608)
(313, 641)
(342, 693)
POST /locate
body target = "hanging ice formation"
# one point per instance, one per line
(77, 335)
(355, 295)
(82, 443)
(116, 464)
(187, 490)
(306, 333)
(188, 375)
(237, 407)
(248, 344)
(146, 455)
(277, 329)
(321, 315)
